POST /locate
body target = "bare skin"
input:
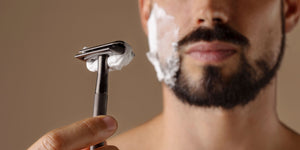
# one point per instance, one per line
(255, 126)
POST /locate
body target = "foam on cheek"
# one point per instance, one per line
(162, 37)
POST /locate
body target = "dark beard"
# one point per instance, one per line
(240, 89)
(216, 91)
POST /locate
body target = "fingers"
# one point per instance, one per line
(78, 135)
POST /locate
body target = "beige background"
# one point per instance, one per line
(43, 87)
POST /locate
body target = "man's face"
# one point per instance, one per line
(228, 49)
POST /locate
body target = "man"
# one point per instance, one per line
(217, 60)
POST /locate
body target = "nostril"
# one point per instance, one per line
(199, 21)
(217, 20)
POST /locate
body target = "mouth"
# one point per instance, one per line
(211, 52)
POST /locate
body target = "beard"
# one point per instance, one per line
(215, 90)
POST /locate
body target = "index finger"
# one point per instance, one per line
(78, 135)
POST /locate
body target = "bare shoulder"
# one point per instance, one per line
(293, 138)
(141, 137)
(296, 141)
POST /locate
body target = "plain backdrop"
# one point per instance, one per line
(42, 85)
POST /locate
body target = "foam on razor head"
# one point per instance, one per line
(115, 61)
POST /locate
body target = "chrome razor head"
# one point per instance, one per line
(112, 48)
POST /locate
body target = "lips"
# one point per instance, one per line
(211, 52)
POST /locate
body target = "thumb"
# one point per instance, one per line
(78, 135)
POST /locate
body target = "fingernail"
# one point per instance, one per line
(110, 123)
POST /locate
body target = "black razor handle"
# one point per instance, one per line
(100, 99)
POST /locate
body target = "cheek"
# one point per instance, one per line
(163, 32)
(168, 23)
(163, 36)
(182, 13)
(262, 26)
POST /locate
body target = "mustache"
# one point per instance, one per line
(220, 32)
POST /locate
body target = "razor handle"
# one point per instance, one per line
(100, 99)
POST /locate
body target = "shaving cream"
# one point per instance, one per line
(114, 62)
(162, 38)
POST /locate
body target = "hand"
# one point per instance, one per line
(79, 135)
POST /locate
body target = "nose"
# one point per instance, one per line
(210, 14)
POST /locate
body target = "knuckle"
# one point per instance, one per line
(91, 127)
(52, 141)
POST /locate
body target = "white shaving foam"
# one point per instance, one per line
(162, 37)
(114, 62)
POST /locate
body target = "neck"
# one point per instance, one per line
(252, 126)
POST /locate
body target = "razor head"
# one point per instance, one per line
(112, 48)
